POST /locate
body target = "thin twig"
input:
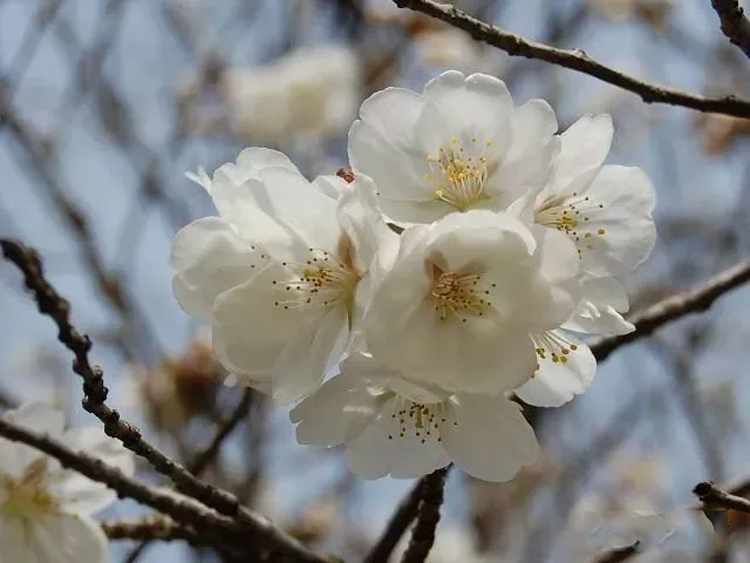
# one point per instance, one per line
(423, 535)
(714, 498)
(268, 539)
(675, 307)
(186, 511)
(205, 457)
(577, 60)
(734, 24)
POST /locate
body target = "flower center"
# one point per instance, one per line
(423, 420)
(28, 495)
(322, 280)
(553, 346)
(571, 216)
(458, 173)
(454, 294)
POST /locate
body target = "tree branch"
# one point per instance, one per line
(152, 527)
(268, 539)
(186, 511)
(423, 537)
(714, 498)
(577, 60)
(734, 24)
(205, 457)
(675, 307)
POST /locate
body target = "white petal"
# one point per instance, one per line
(201, 178)
(624, 220)
(65, 538)
(78, 493)
(295, 202)
(317, 346)
(373, 454)
(598, 312)
(556, 383)
(209, 258)
(478, 104)
(529, 156)
(256, 338)
(248, 331)
(330, 184)
(393, 112)
(585, 144)
(360, 218)
(397, 173)
(254, 159)
(491, 440)
(37, 417)
(336, 413)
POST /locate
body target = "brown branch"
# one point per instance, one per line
(205, 457)
(423, 536)
(152, 527)
(267, 538)
(675, 307)
(734, 24)
(714, 498)
(405, 514)
(185, 511)
(577, 60)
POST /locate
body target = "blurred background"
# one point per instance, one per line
(104, 105)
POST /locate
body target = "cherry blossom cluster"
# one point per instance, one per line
(406, 304)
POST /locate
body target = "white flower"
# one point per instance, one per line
(310, 93)
(44, 508)
(566, 365)
(391, 425)
(605, 210)
(282, 274)
(448, 48)
(463, 295)
(459, 145)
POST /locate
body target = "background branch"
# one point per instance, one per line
(577, 60)
(267, 538)
(423, 536)
(734, 24)
(675, 307)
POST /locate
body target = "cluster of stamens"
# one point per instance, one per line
(423, 420)
(553, 346)
(322, 280)
(459, 175)
(570, 216)
(458, 295)
(29, 493)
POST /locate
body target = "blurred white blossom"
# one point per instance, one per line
(305, 95)
(45, 508)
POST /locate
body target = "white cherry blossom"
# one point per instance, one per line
(463, 295)
(605, 209)
(279, 274)
(393, 426)
(310, 93)
(44, 508)
(566, 366)
(459, 145)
